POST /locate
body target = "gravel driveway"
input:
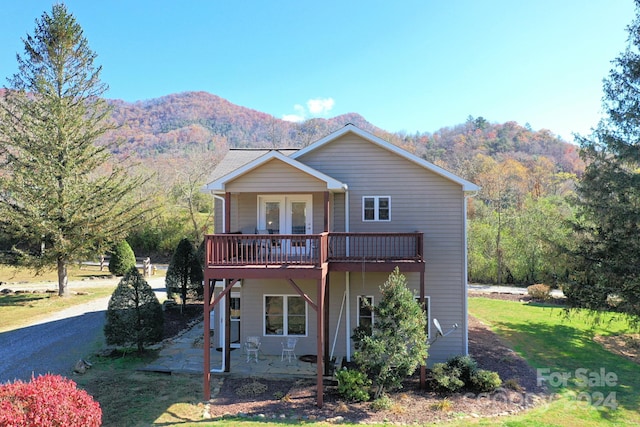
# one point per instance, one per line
(55, 344)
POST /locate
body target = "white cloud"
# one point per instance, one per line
(320, 106)
(315, 107)
(299, 115)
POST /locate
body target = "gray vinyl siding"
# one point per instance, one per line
(252, 315)
(276, 176)
(420, 201)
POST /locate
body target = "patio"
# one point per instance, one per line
(184, 355)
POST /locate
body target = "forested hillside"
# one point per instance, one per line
(199, 121)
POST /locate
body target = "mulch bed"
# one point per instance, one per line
(175, 320)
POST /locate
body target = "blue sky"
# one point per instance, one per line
(403, 65)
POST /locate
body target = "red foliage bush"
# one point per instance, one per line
(47, 401)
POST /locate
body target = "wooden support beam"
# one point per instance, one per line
(327, 355)
(303, 295)
(326, 210)
(423, 367)
(227, 212)
(320, 341)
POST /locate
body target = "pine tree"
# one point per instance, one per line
(398, 342)
(608, 227)
(184, 273)
(134, 315)
(61, 195)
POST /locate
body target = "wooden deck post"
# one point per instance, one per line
(227, 212)
(423, 367)
(320, 340)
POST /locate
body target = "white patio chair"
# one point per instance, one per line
(288, 349)
(251, 347)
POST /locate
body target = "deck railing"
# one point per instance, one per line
(375, 247)
(311, 249)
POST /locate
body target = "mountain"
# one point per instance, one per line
(198, 121)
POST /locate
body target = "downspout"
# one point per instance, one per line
(465, 331)
(347, 277)
(219, 329)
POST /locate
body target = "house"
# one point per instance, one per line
(306, 235)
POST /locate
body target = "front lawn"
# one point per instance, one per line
(589, 385)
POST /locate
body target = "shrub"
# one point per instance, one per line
(445, 378)
(485, 381)
(122, 259)
(467, 366)
(353, 385)
(539, 291)
(462, 372)
(382, 403)
(134, 314)
(46, 401)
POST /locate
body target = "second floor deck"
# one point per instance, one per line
(262, 255)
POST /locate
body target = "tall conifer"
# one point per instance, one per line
(608, 227)
(61, 195)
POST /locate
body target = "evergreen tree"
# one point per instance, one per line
(122, 259)
(134, 315)
(184, 274)
(608, 227)
(59, 193)
(398, 342)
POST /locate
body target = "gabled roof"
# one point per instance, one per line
(466, 185)
(238, 162)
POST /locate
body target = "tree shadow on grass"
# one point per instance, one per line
(569, 360)
(8, 300)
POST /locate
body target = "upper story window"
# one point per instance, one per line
(376, 208)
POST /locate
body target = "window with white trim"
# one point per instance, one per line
(376, 208)
(285, 315)
(365, 311)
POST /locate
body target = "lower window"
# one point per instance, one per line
(285, 315)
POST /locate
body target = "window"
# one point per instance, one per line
(285, 315)
(376, 208)
(365, 312)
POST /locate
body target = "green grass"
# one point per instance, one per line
(9, 274)
(551, 341)
(19, 310)
(132, 398)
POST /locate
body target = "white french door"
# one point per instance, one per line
(287, 214)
